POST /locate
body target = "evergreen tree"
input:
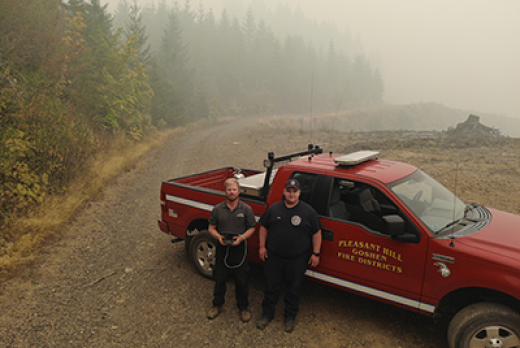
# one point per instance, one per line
(202, 47)
(377, 89)
(155, 18)
(121, 14)
(200, 107)
(297, 78)
(242, 65)
(100, 63)
(335, 78)
(164, 99)
(250, 73)
(135, 27)
(361, 79)
(173, 88)
(131, 92)
(265, 64)
(227, 61)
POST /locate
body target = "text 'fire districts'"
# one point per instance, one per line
(370, 254)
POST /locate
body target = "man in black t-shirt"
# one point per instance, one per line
(290, 240)
(237, 220)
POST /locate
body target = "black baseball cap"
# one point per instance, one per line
(292, 183)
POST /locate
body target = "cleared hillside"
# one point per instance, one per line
(416, 117)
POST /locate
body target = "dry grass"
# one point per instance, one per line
(28, 234)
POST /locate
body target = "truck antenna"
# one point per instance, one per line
(312, 93)
(452, 244)
(337, 111)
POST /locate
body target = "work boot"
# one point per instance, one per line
(214, 312)
(262, 323)
(245, 315)
(289, 325)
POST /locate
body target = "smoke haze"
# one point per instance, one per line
(463, 54)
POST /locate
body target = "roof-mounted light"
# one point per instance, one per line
(355, 158)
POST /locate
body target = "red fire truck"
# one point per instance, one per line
(390, 232)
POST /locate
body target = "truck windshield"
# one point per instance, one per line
(435, 205)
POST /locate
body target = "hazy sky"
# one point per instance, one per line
(461, 53)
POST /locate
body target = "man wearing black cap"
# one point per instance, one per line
(290, 240)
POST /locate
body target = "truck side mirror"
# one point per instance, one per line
(393, 225)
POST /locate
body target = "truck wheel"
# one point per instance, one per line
(485, 325)
(203, 253)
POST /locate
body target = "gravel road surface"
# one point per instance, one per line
(112, 279)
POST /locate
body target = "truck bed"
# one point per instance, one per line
(191, 198)
(251, 181)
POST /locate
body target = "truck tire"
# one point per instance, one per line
(485, 325)
(203, 253)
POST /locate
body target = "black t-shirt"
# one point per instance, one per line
(290, 229)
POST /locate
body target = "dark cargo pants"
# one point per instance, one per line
(279, 272)
(241, 275)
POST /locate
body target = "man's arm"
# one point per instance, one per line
(262, 236)
(316, 247)
(250, 221)
(240, 238)
(212, 229)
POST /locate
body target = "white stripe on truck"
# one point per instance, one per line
(370, 291)
(194, 204)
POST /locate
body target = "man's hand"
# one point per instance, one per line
(262, 252)
(314, 260)
(212, 229)
(238, 239)
(221, 240)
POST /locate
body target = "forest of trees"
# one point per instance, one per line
(225, 64)
(72, 75)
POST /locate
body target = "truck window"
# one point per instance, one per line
(355, 202)
(362, 204)
(433, 203)
(315, 190)
(307, 182)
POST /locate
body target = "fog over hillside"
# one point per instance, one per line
(462, 54)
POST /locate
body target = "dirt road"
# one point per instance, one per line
(113, 279)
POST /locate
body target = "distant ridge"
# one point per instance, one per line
(416, 117)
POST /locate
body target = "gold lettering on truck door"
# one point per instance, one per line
(370, 254)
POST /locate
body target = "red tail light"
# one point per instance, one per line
(163, 201)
